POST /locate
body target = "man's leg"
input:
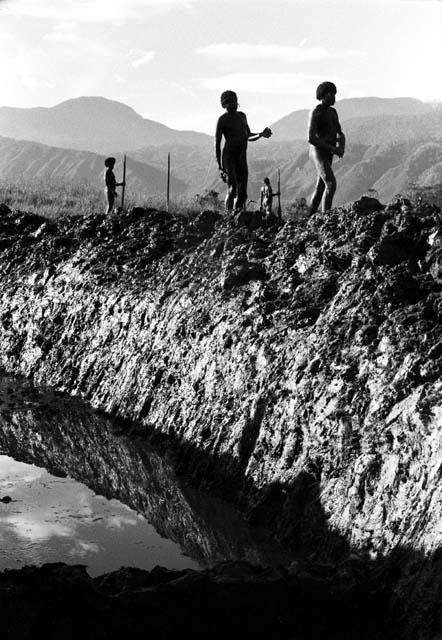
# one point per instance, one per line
(330, 188)
(110, 202)
(232, 181)
(230, 197)
(317, 195)
(326, 180)
(243, 177)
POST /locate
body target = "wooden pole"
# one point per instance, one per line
(279, 194)
(168, 182)
(124, 182)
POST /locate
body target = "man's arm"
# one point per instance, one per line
(251, 137)
(218, 136)
(265, 133)
(341, 139)
(313, 134)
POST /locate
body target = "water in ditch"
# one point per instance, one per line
(75, 489)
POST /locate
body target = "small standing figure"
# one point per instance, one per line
(326, 139)
(110, 184)
(233, 164)
(266, 197)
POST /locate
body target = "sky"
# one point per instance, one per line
(171, 59)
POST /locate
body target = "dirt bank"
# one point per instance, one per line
(294, 367)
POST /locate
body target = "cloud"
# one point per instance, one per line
(115, 521)
(64, 32)
(6, 36)
(90, 11)
(26, 527)
(276, 52)
(138, 58)
(83, 548)
(52, 65)
(282, 83)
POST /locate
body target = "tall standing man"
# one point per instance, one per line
(233, 162)
(326, 139)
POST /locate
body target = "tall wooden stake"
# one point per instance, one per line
(279, 194)
(168, 182)
(124, 182)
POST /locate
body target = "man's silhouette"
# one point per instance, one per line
(233, 164)
(326, 139)
(110, 184)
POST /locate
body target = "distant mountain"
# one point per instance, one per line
(389, 168)
(21, 161)
(294, 125)
(99, 125)
(422, 165)
(92, 124)
(194, 165)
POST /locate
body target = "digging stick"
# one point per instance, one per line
(124, 182)
(168, 182)
(279, 194)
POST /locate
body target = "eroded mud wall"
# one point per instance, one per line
(297, 366)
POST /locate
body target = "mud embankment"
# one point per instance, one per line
(295, 367)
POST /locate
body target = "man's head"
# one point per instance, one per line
(326, 92)
(266, 180)
(109, 162)
(229, 101)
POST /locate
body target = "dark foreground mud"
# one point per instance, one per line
(293, 368)
(236, 600)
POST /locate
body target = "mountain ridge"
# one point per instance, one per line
(90, 123)
(33, 160)
(294, 125)
(95, 123)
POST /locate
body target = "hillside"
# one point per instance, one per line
(98, 124)
(294, 125)
(21, 161)
(92, 124)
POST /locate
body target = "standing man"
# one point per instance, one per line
(326, 139)
(110, 184)
(233, 165)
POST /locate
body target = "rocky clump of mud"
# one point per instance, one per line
(232, 599)
(295, 366)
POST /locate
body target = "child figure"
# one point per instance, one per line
(110, 184)
(233, 166)
(326, 139)
(266, 197)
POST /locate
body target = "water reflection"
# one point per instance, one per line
(129, 509)
(60, 520)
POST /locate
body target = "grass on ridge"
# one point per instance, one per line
(54, 198)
